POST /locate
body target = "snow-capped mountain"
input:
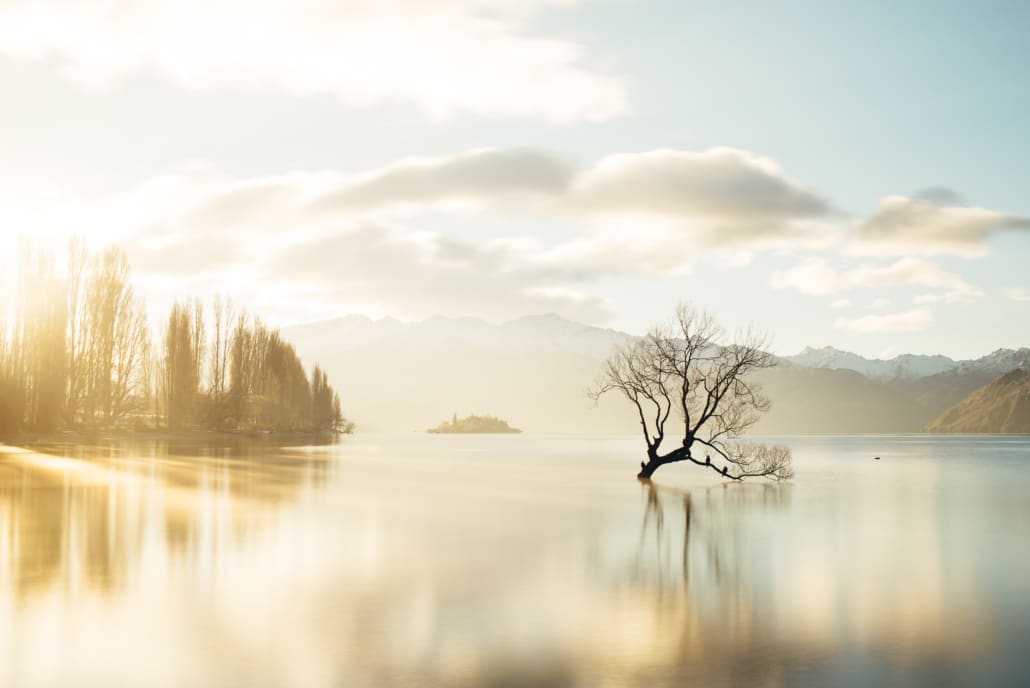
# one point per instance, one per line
(999, 361)
(908, 366)
(904, 366)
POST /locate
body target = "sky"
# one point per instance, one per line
(853, 174)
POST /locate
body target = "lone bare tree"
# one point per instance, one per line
(683, 369)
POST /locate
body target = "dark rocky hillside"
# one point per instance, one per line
(1001, 406)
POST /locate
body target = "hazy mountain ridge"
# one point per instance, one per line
(547, 331)
(1000, 406)
(535, 371)
(532, 371)
(909, 366)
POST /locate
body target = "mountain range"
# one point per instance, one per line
(908, 366)
(535, 370)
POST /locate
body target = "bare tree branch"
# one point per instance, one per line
(684, 367)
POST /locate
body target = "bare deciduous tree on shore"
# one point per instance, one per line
(76, 352)
(682, 380)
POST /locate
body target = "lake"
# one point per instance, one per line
(439, 560)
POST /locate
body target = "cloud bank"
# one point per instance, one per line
(818, 276)
(443, 56)
(924, 226)
(384, 239)
(479, 177)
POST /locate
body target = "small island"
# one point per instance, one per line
(474, 425)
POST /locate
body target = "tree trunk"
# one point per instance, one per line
(654, 461)
(648, 469)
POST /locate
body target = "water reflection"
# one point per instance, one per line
(697, 593)
(706, 531)
(83, 515)
(727, 593)
(512, 561)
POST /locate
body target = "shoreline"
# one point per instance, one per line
(82, 436)
(160, 434)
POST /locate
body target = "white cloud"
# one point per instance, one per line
(907, 321)
(630, 247)
(725, 184)
(646, 213)
(919, 226)
(263, 238)
(965, 295)
(1018, 294)
(812, 276)
(659, 211)
(334, 234)
(419, 274)
(349, 237)
(878, 304)
(444, 56)
(478, 177)
(734, 194)
(817, 276)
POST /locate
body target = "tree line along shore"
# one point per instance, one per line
(77, 353)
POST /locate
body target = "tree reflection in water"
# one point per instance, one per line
(699, 588)
(81, 515)
(710, 533)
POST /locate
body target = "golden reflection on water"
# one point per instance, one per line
(83, 516)
(475, 562)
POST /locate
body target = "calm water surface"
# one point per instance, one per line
(512, 561)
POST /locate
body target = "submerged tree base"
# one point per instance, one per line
(655, 462)
(745, 460)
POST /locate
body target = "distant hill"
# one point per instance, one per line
(838, 402)
(486, 425)
(1001, 406)
(407, 375)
